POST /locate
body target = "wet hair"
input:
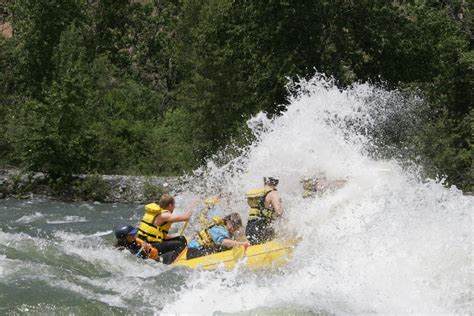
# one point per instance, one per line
(270, 181)
(165, 200)
(234, 219)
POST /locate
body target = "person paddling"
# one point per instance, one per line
(126, 239)
(216, 237)
(155, 225)
(209, 210)
(265, 206)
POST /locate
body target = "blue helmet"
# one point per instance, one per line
(123, 231)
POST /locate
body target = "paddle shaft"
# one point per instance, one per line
(192, 209)
(183, 228)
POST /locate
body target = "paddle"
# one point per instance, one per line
(238, 252)
(184, 227)
(190, 208)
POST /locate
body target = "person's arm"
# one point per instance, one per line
(172, 218)
(232, 243)
(275, 201)
(221, 236)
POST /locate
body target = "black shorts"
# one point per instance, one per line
(169, 249)
(259, 231)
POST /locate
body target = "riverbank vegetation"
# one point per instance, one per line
(156, 87)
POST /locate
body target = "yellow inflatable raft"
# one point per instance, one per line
(272, 254)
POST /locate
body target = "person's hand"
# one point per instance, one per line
(246, 245)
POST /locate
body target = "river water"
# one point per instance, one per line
(385, 243)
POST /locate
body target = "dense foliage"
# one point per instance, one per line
(155, 87)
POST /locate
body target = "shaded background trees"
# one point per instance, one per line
(155, 87)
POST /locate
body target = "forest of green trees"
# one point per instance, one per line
(155, 87)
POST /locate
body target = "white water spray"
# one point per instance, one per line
(384, 243)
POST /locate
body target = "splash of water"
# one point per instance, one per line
(386, 242)
(30, 218)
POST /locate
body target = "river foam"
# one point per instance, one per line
(386, 242)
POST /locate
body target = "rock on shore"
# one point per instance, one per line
(104, 188)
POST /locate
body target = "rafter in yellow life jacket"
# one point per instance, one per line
(147, 230)
(204, 238)
(256, 201)
(209, 203)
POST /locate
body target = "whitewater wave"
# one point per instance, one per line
(386, 242)
(68, 219)
(27, 219)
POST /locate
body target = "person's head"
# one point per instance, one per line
(270, 181)
(167, 202)
(125, 232)
(233, 222)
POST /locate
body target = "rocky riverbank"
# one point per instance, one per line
(120, 188)
(103, 188)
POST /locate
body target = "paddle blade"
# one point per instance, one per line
(238, 252)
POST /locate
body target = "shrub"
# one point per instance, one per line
(152, 192)
(93, 188)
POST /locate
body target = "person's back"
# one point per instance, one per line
(265, 206)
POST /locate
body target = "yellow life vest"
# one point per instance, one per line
(256, 201)
(147, 230)
(209, 203)
(204, 238)
(202, 218)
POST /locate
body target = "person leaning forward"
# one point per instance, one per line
(265, 206)
(155, 225)
(126, 239)
(216, 237)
